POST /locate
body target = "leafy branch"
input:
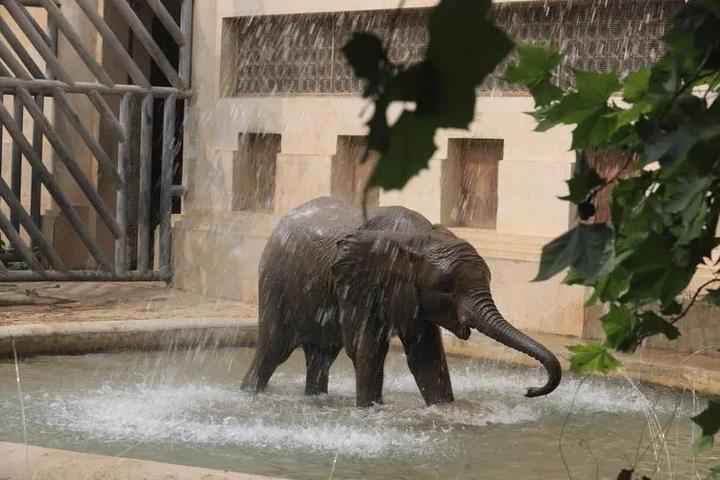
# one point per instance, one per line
(665, 201)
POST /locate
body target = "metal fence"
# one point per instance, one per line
(32, 88)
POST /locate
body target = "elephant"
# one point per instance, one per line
(331, 277)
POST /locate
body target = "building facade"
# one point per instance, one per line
(278, 120)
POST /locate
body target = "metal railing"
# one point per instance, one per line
(31, 87)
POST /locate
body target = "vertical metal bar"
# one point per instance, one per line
(166, 178)
(37, 141)
(146, 125)
(186, 18)
(121, 260)
(16, 160)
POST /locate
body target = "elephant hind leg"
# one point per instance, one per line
(268, 357)
(318, 360)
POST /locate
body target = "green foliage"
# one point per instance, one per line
(441, 87)
(665, 206)
(709, 421)
(592, 357)
(537, 62)
(584, 248)
(714, 474)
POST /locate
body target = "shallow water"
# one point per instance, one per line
(185, 407)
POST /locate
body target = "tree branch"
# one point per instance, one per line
(693, 299)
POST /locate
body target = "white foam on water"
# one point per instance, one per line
(222, 415)
(196, 414)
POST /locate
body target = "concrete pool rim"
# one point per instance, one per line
(75, 338)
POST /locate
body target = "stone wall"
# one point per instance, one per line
(269, 75)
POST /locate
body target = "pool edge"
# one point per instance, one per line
(668, 369)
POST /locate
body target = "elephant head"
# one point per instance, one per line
(434, 277)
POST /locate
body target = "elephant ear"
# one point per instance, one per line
(374, 273)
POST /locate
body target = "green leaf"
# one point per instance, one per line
(653, 324)
(463, 42)
(636, 85)
(613, 284)
(619, 326)
(459, 58)
(592, 357)
(366, 56)
(667, 147)
(596, 85)
(581, 184)
(546, 92)
(709, 421)
(411, 146)
(595, 130)
(672, 308)
(584, 248)
(534, 70)
(535, 64)
(630, 115)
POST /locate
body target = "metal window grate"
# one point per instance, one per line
(300, 54)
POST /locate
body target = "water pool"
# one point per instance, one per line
(185, 407)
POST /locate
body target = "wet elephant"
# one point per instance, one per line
(330, 279)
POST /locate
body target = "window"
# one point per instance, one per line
(469, 183)
(254, 172)
(350, 174)
(608, 164)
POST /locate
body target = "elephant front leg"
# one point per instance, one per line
(426, 359)
(368, 350)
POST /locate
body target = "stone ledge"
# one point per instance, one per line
(52, 464)
(85, 337)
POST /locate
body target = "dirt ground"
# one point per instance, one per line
(48, 302)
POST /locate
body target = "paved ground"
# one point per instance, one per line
(49, 302)
(19, 463)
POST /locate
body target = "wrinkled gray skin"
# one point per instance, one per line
(328, 279)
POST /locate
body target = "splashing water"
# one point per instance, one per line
(186, 407)
(22, 410)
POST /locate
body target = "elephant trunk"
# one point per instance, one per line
(486, 318)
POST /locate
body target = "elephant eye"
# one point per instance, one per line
(445, 285)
